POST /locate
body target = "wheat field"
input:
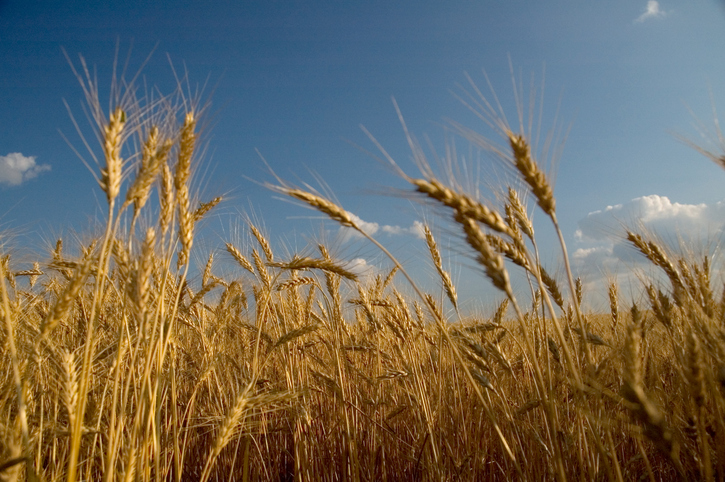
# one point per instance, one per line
(120, 366)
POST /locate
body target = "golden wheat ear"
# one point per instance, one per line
(112, 142)
(435, 254)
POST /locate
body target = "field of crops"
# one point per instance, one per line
(120, 366)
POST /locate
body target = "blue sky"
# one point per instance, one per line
(296, 79)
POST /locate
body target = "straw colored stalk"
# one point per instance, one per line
(696, 379)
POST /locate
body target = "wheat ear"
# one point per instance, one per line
(186, 151)
(532, 174)
(205, 208)
(613, 304)
(464, 205)
(435, 255)
(519, 212)
(266, 248)
(112, 142)
(321, 264)
(552, 287)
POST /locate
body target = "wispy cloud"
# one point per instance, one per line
(600, 236)
(652, 10)
(16, 168)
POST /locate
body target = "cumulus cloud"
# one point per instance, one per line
(363, 269)
(655, 213)
(601, 245)
(367, 227)
(416, 230)
(372, 228)
(16, 168)
(652, 10)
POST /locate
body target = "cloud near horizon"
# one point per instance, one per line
(600, 236)
(652, 10)
(16, 168)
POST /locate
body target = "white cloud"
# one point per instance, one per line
(16, 168)
(652, 10)
(394, 229)
(416, 230)
(362, 269)
(655, 213)
(373, 228)
(600, 236)
(368, 228)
